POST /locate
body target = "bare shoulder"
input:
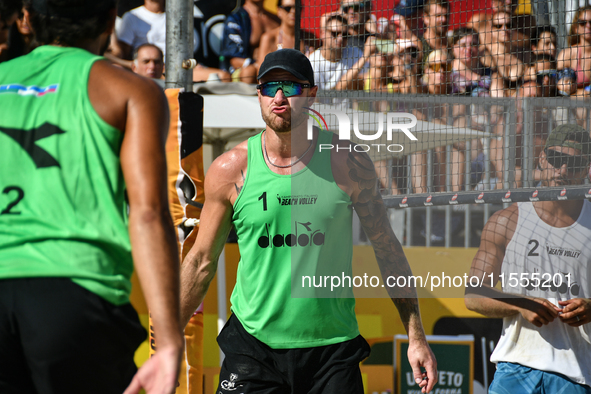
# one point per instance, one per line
(230, 161)
(125, 79)
(502, 224)
(270, 34)
(114, 91)
(225, 177)
(566, 56)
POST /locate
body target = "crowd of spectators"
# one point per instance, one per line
(498, 53)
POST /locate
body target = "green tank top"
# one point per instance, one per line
(290, 227)
(62, 203)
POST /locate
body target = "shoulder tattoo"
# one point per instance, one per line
(239, 188)
(373, 216)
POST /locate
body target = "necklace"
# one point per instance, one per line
(289, 165)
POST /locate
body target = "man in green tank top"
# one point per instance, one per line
(290, 204)
(78, 138)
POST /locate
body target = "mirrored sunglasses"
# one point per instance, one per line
(289, 88)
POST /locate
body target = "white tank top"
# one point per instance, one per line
(554, 253)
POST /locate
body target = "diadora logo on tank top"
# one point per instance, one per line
(305, 235)
(27, 139)
(23, 90)
(303, 199)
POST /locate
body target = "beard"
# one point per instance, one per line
(283, 125)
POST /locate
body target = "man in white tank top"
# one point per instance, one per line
(540, 252)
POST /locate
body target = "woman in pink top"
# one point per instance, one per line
(578, 55)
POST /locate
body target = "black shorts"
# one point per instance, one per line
(251, 367)
(57, 337)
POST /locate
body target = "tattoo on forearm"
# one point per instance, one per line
(372, 214)
(239, 188)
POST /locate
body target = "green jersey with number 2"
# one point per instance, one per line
(62, 193)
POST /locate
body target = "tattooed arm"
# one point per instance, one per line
(356, 173)
(223, 183)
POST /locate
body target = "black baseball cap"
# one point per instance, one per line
(572, 136)
(290, 60)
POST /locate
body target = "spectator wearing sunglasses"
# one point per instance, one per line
(435, 81)
(541, 84)
(523, 25)
(241, 39)
(394, 67)
(508, 69)
(578, 55)
(337, 66)
(284, 36)
(544, 346)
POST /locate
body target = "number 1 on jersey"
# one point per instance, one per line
(264, 198)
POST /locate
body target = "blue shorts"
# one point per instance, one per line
(516, 379)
